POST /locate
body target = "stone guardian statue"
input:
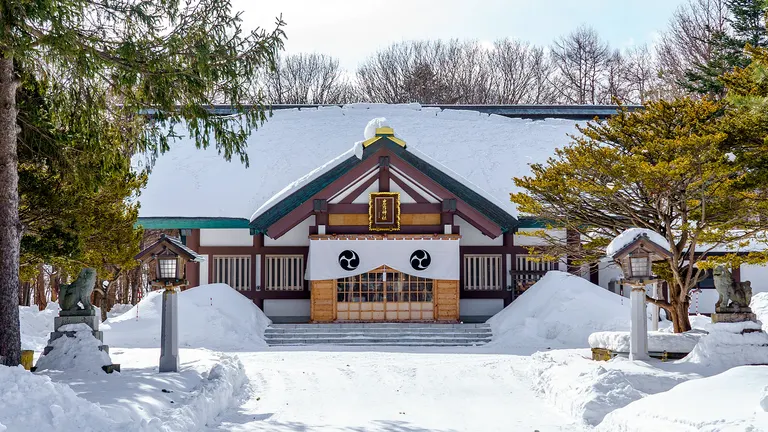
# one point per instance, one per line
(78, 291)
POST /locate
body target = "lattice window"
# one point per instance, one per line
(233, 270)
(482, 272)
(529, 269)
(384, 285)
(284, 272)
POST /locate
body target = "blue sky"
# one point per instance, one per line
(353, 29)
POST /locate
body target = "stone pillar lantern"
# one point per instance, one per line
(169, 256)
(635, 252)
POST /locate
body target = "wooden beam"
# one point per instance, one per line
(404, 208)
(358, 190)
(409, 190)
(384, 174)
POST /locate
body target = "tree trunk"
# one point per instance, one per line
(10, 227)
(41, 298)
(679, 315)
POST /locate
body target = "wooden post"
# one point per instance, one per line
(323, 301)
(446, 299)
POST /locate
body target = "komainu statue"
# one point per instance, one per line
(78, 291)
(734, 296)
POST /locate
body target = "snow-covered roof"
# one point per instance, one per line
(487, 150)
(630, 235)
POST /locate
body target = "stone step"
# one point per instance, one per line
(380, 325)
(375, 335)
(380, 341)
(270, 331)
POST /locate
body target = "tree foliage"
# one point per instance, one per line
(99, 65)
(666, 169)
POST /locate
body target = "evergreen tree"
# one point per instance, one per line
(747, 27)
(665, 168)
(102, 63)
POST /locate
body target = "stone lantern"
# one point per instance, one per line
(169, 256)
(636, 257)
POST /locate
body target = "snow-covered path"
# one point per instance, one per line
(390, 391)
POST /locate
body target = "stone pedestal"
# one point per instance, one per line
(733, 317)
(88, 318)
(169, 333)
(638, 338)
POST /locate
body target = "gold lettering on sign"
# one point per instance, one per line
(384, 211)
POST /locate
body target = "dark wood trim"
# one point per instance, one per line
(404, 208)
(409, 190)
(384, 174)
(304, 210)
(284, 250)
(360, 189)
(228, 250)
(192, 269)
(404, 229)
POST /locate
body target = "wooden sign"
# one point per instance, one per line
(384, 211)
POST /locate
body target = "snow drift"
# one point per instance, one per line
(34, 402)
(37, 325)
(725, 346)
(729, 401)
(78, 354)
(759, 306)
(562, 310)
(212, 316)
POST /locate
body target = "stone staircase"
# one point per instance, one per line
(382, 334)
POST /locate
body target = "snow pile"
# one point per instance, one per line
(77, 354)
(33, 402)
(628, 236)
(36, 325)
(726, 402)
(561, 309)
(759, 306)
(295, 142)
(589, 390)
(698, 322)
(764, 399)
(212, 316)
(725, 346)
(214, 395)
(119, 309)
(657, 341)
(370, 129)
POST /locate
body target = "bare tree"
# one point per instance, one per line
(580, 60)
(307, 79)
(520, 73)
(641, 75)
(427, 72)
(613, 87)
(687, 41)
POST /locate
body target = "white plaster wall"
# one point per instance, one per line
(706, 301)
(204, 270)
(297, 236)
(404, 197)
(226, 237)
(527, 240)
(757, 274)
(471, 236)
(608, 271)
(340, 196)
(364, 197)
(480, 307)
(286, 308)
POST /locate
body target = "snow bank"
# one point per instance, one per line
(118, 309)
(759, 306)
(78, 354)
(36, 325)
(657, 341)
(725, 347)
(370, 128)
(560, 309)
(214, 395)
(589, 390)
(726, 402)
(295, 142)
(33, 402)
(212, 316)
(629, 235)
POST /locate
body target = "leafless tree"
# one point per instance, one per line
(427, 72)
(580, 59)
(687, 40)
(641, 75)
(520, 73)
(307, 79)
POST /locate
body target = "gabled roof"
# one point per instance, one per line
(172, 243)
(488, 150)
(305, 188)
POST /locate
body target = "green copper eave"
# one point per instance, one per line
(162, 222)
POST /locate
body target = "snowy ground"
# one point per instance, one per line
(524, 380)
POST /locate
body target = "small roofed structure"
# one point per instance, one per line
(637, 255)
(169, 256)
